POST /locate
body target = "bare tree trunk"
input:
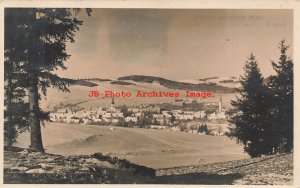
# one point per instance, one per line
(35, 127)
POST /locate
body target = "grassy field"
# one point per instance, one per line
(152, 148)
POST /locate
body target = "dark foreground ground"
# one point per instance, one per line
(267, 170)
(26, 167)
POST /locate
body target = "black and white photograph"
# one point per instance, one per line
(189, 96)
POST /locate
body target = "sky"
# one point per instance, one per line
(176, 44)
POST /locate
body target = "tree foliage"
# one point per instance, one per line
(262, 114)
(16, 111)
(35, 41)
(282, 85)
(248, 115)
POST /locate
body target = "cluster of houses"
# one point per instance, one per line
(94, 115)
(114, 115)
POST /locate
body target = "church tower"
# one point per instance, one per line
(112, 102)
(220, 105)
(112, 105)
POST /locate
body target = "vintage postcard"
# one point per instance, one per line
(145, 92)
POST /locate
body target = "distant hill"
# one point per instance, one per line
(81, 82)
(213, 84)
(210, 78)
(97, 79)
(80, 89)
(90, 82)
(118, 82)
(178, 85)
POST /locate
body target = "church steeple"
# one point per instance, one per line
(220, 105)
(112, 101)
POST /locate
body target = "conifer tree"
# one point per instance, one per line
(16, 111)
(248, 114)
(282, 96)
(38, 37)
(15, 69)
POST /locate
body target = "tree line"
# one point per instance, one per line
(262, 114)
(34, 46)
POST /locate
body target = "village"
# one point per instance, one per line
(189, 117)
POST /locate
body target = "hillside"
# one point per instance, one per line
(228, 82)
(213, 84)
(81, 82)
(22, 166)
(267, 170)
(179, 158)
(178, 85)
(79, 92)
(151, 148)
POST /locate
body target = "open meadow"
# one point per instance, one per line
(151, 148)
